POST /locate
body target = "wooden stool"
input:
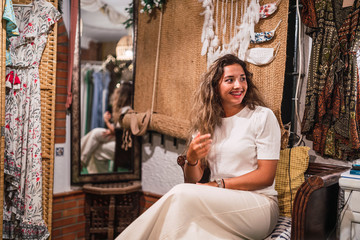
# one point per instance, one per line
(110, 208)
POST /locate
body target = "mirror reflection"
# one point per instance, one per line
(106, 86)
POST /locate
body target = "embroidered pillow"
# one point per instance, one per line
(298, 162)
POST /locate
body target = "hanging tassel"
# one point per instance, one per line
(207, 32)
(204, 47)
(215, 42)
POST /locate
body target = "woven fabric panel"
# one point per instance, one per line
(47, 71)
(289, 176)
(180, 62)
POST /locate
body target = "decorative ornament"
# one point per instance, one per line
(149, 5)
(130, 21)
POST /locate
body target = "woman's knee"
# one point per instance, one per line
(98, 134)
(182, 188)
(185, 193)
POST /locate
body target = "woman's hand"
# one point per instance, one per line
(198, 148)
(107, 133)
(107, 116)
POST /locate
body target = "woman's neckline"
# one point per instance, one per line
(235, 114)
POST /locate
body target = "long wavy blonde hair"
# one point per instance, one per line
(121, 97)
(207, 109)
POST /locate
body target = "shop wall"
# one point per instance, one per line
(61, 83)
(160, 171)
(68, 216)
(68, 204)
(91, 53)
(62, 119)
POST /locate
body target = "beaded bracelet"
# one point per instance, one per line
(192, 164)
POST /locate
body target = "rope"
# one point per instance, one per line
(217, 18)
(225, 25)
(156, 66)
(222, 20)
(235, 19)
(231, 21)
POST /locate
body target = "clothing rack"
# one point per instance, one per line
(23, 5)
(92, 62)
(99, 65)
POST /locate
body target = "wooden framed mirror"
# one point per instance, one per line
(104, 65)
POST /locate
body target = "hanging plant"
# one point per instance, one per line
(130, 10)
(149, 5)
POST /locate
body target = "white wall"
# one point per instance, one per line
(66, 15)
(160, 171)
(62, 164)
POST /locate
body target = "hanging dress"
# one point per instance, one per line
(11, 27)
(331, 116)
(22, 217)
(101, 82)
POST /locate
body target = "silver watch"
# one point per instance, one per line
(219, 182)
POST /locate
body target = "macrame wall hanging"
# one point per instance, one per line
(229, 26)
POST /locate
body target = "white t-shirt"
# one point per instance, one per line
(241, 140)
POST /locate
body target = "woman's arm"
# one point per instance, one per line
(260, 178)
(198, 149)
(110, 126)
(193, 174)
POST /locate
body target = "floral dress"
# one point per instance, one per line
(23, 163)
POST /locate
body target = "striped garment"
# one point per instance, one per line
(282, 229)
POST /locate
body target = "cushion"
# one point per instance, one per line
(282, 229)
(297, 162)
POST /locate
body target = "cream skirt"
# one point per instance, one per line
(190, 211)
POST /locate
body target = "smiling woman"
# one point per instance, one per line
(232, 89)
(101, 150)
(209, 209)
